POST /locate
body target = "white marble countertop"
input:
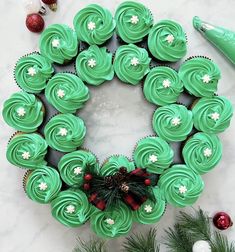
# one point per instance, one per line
(117, 116)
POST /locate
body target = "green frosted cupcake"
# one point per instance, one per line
(71, 208)
(58, 43)
(94, 65)
(212, 115)
(200, 76)
(74, 165)
(27, 151)
(114, 163)
(162, 86)
(113, 222)
(131, 63)
(66, 92)
(202, 152)
(23, 112)
(167, 41)
(153, 154)
(134, 21)
(151, 210)
(32, 72)
(42, 185)
(173, 122)
(94, 24)
(65, 132)
(181, 185)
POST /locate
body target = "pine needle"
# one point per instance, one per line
(220, 243)
(140, 242)
(93, 245)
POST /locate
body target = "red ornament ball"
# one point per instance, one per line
(86, 186)
(222, 220)
(35, 23)
(49, 1)
(88, 177)
(147, 182)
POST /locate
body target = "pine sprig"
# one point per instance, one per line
(93, 245)
(220, 243)
(140, 242)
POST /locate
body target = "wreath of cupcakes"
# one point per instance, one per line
(121, 190)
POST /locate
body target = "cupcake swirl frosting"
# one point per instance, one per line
(114, 163)
(94, 66)
(71, 208)
(43, 184)
(212, 115)
(27, 151)
(66, 92)
(23, 112)
(151, 211)
(200, 76)
(134, 21)
(181, 185)
(162, 86)
(173, 122)
(113, 222)
(153, 154)
(58, 43)
(32, 72)
(131, 63)
(65, 132)
(94, 24)
(167, 41)
(74, 165)
(202, 152)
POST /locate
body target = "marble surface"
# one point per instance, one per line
(116, 117)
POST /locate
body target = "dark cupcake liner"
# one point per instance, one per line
(25, 178)
(197, 56)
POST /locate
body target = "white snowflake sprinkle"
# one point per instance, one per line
(207, 152)
(55, 43)
(170, 38)
(91, 26)
(175, 121)
(206, 78)
(166, 83)
(26, 155)
(21, 111)
(63, 131)
(110, 221)
(148, 209)
(42, 186)
(91, 63)
(134, 61)
(215, 116)
(134, 19)
(32, 71)
(60, 93)
(153, 158)
(183, 189)
(70, 209)
(77, 170)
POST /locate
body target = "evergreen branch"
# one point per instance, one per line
(93, 245)
(140, 242)
(220, 243)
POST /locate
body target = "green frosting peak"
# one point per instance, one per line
(94, 24)
(212, 115)
(23, 111)
(94, 65)
(167, 41)
(181, 185)
(65, 132)
(27, 151)
(131, 63)
(134, 21)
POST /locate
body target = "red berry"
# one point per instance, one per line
(49, 1)
(86, 186)
(34, 22)
(222, 220)
(88, 177)
(147, 182)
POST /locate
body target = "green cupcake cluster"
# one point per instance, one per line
(122, 190)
